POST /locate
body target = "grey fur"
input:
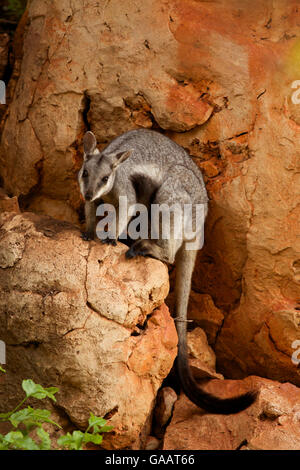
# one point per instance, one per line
(147, 168)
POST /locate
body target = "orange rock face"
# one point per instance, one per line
(217, 77)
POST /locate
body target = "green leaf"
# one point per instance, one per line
(94, 438)
(17, 440)
(71, 441)
(37, 391)
(31, 417)
(106, 428)
(65, 441)
(3, 445)
(96, 422)
(12, 436)
(29, 387)
(5, 416)
(2, 370)
(45, 439)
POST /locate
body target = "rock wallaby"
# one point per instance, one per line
(149, 168)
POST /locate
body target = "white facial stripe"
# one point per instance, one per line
(99, 193)
(104, 189)
(80, 182)
(81, 186)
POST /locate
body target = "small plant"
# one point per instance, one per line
(77, 439)
(15, 7)
(27, 424)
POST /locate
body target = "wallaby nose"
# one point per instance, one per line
(88, 196)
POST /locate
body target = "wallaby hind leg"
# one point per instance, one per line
(164, 250)
(147, 248)
(161, 247)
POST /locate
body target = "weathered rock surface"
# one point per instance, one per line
(165, 400)
(8, 204)
(152, 443)
(199, 348)
(272, 423)
(72, 315)
(175, 66)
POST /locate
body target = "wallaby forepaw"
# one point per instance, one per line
(109, 241)
(138, 249)
(87, 236)
(130, 253)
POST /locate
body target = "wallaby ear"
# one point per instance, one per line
(121, 157)
(89, 143)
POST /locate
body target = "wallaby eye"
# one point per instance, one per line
(105, 179)
(85, 174)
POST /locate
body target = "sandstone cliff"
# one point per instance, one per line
(218, 78)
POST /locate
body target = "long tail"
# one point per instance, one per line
(185, 261)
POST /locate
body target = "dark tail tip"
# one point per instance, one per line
(233, 405)
(207, 401)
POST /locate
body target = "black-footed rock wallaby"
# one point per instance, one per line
(147, 167)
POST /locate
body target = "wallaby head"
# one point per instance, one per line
(97, 174)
